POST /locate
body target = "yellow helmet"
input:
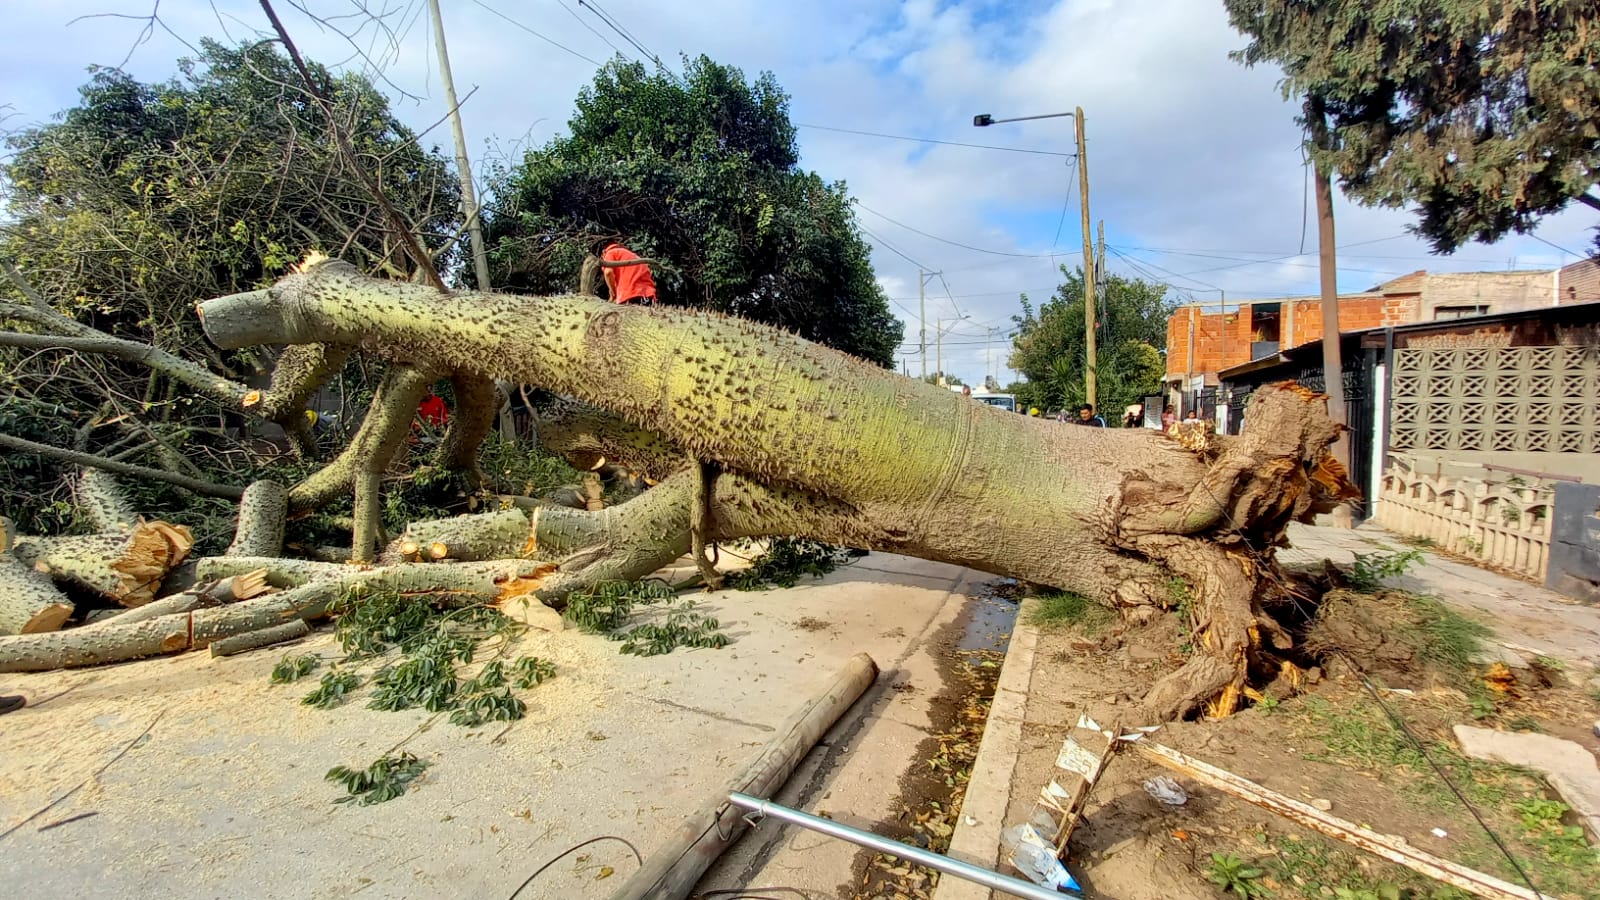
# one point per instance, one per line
(311, 417)
(1033, 410)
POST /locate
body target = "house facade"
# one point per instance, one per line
(1202, 341)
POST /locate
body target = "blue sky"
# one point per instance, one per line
(1194, 160)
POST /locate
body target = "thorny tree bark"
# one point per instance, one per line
(805, 441)
(812, 442)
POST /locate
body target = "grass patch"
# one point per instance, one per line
(1511, 800)
(1447, 639)
(1314, 869)
(1064, 609)
(1361, 735)
(1371, 570)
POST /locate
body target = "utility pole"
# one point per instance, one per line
(1088, 265)
(1332, 363)
(469, 200)
(922, 305)
(938, 351)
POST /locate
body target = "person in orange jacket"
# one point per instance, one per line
(627, 275)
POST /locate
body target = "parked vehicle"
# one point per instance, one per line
(1007, 402)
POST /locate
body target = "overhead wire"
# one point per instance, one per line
(1072, 171)
(890, 247)
(952, 243)
(622, 32)
(552, 42)
(592, 30)
(902, 137)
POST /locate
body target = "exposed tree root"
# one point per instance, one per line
(1218, 536)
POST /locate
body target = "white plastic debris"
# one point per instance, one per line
(1166, 791)
(1440, 833)
(1036, 858)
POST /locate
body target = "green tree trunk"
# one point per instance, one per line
(816, 443)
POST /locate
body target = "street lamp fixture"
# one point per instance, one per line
(984, 120)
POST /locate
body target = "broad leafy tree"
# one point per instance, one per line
(145, 198)
(1481, 113)
(1050, 348)
(701, 173)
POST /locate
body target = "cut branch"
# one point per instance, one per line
(193, 375)
(382, 433)
(102, 502)
(262, 512)
(203, 488)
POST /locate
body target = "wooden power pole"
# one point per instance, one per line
(1088, 267)
(922, 312)
(469, 200)
(1332, 362)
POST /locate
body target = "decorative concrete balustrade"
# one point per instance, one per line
(1501, 519)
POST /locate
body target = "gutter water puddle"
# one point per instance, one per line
(994, 615)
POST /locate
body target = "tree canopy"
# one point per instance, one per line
(1049, 348)
(699, 172)
(1486, 115)
(145, 198)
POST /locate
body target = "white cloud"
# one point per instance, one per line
(1188, 151)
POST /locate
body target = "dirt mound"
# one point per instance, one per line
(1392, 636)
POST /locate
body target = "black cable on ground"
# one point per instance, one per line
(557, 858)
(1399, 723)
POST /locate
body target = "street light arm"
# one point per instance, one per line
(985, 120)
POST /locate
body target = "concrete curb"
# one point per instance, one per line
(989, 789)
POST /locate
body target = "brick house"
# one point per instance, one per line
(1200, 343)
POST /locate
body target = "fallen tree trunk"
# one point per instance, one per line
(815, 443)
(29, 603)
(125, 568)
(112, 641)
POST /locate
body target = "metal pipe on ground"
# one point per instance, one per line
(1016, 887)
(672, 871)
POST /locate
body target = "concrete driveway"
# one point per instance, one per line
(224, 796)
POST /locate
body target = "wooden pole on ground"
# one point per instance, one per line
(1389, 847)
(672, 871)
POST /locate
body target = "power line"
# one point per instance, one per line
(536, 34)
(1065, 204)
(901, 137)
(1557, 246)
(592, 30)
(890, 247)
(603, 16)
(941, 240)
(951, 296)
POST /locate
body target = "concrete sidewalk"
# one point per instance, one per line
(225, 794)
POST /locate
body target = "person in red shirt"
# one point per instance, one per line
(434, 411)
(627, 276)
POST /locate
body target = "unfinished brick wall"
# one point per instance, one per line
(1299, 322)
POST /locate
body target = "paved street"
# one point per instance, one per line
(225, 796)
